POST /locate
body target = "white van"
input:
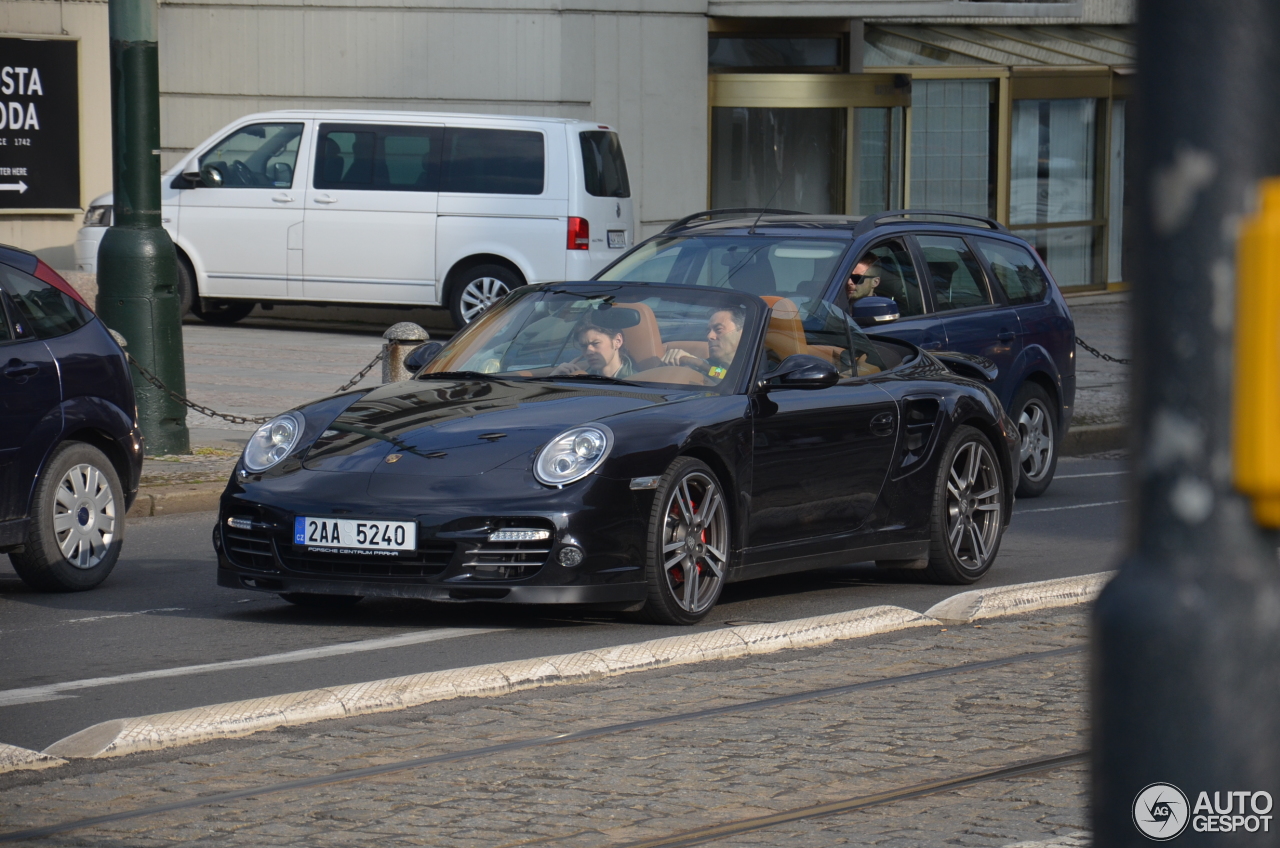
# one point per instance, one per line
(407, 208)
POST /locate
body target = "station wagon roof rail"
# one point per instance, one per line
(712, 213)
(870, 222)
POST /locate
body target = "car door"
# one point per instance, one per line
(369, 233)
(976, 318)
(820, 456)
(892, 261)
(30, 399)
(236, 224)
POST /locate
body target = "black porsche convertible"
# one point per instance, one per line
(630, 446)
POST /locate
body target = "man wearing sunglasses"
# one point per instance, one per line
(862, 281)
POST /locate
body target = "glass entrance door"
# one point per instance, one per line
(820, 143)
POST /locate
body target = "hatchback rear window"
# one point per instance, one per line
(603, 167)
(45, 311)
(493, 161)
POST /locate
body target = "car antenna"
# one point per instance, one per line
(767, 204)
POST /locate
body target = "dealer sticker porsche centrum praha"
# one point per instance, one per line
(348, 535)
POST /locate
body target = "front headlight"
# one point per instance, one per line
(573, 455)
(98, 216)
(273, 441)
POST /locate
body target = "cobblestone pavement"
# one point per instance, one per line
(647, 783)
(1102, 388)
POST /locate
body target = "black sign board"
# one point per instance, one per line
(39, 124)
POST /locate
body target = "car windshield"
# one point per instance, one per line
(798, 269)
(639, 335)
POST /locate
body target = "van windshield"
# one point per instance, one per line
(603, 167)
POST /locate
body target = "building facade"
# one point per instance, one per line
(1008, 109)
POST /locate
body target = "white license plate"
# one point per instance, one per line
(345, 534)
(617, 238)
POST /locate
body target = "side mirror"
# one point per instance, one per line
(420, 357)
(211, 176)
(872, 310)
(192, 178)
(802, 371)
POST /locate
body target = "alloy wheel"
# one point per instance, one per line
(695, 537)
(1035, 429)
(84, 517)
(973, 506)
(480, 294)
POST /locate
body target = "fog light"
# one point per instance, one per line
(240, 523)
(519, 534)
(569, 556)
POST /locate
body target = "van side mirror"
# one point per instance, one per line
(870, 311)
(420, 357)
(802, 371)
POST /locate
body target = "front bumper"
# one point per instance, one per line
(86, 248)
(454, 560)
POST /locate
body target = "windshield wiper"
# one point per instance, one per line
(593, 377)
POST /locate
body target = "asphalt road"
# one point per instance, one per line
(128, 647)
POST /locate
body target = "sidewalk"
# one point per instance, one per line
(667, 782)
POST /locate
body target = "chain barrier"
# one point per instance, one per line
(234, 419)
(1100, 354)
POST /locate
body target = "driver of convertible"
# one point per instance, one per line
(602, 354)
(724, 332)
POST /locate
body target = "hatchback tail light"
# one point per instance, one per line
(579, 234)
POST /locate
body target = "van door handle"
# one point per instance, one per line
(1005, 336)
(283, 198)
(326, 198)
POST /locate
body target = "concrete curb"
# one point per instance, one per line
(1019, 598)
(175, 499)
(1092, 438)
(118, 737)
(13, 758)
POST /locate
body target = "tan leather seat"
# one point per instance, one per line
(643, 342)
(785, 336)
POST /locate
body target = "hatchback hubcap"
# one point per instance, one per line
(695, 536)
(480, 294)
(1035, 429)
(973, 505)
(84, 516)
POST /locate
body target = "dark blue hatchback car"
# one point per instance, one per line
(940, 280)
(70, 449)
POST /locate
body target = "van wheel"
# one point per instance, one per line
(477, 289)
(77, 522)
(186, 288)
(217, 311)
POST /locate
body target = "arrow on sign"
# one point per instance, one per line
(20, 187)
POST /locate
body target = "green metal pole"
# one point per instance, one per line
(137, 264)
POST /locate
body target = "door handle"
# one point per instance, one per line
(283, 198)
(1005, 336)
(326, 198)
(18, 370)
(882, 424)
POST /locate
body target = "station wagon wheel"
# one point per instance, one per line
(968, 510)
(1038, 451)
(478, 289)
(689, 542)
(77, 522)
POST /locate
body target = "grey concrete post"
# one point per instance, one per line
(400, 339)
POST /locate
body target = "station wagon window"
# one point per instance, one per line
(482, 161)
(891, 262)
(954, 272)
(46, 311)
(256, 156)
(1015, 270)
(378, 157)
(603, 168)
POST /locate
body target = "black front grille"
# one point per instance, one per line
(430, 559)
(507, 560)
(249, 548)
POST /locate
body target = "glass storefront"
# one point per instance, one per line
(951, 146)
(878, 160)
(777, 157)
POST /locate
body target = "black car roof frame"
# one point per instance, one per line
(741, 210)
(879, 219)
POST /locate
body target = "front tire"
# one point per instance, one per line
(689, 542)
(218, 311)
(1038, 435)
(477, 289)
(77, 522)
(968, 510)
(186, 287)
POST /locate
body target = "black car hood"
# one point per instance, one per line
(454, 428)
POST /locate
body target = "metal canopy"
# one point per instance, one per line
(889, 46)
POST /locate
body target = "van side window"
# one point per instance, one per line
(256, 156)
(44, 310)
(493, 161)
(378, 158)
(603, 168)
(1015, 270)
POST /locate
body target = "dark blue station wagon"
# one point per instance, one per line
(939, 280)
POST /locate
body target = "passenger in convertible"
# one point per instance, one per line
(724, 332)
(602, 354)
